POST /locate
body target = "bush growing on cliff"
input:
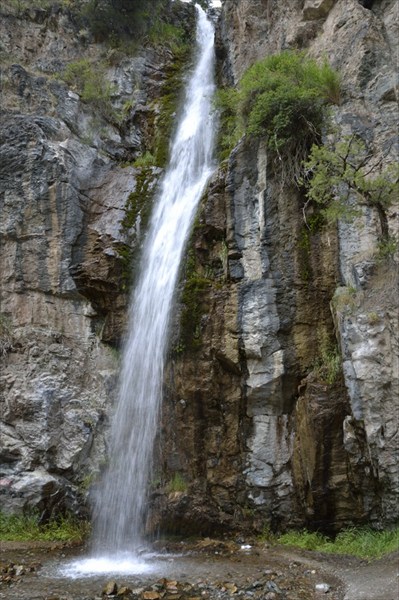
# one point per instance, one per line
(282, 98)
(112, 19)
(90, 82)
(231, 128)
(338, 169)
(117, 22)
(341, 174)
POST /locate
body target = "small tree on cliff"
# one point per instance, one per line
(343, 173)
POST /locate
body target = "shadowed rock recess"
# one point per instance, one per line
(254, 431)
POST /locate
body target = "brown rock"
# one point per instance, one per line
(151, 595)
(124, 590)
(110, 589)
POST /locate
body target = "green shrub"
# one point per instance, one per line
(341, 175)
(284, 99)
(338, 170)
(90, 82)
(387, 248)
(118, 21)
(363, 542)
(111, 20)
(145, 160)
(166, 34)
(231, 128)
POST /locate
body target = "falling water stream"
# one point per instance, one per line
(121, 503)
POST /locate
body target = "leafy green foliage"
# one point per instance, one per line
(111, 20)
(363, 542)
(27, 527)
(119, 21)
(283, 98)
(90, 82)
(342, 175)
(231, 128)
(145, 160)
(166, 34)
(387, 248)
(340, 169)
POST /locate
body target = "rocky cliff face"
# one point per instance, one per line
(69, 234)
(252, 433)
(274, 443)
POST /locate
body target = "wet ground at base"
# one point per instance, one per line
(201, 570)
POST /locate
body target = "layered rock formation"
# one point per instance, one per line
(277, 445)
(67, 184)
(253, 434)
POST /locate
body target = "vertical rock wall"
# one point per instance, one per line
(68, 238)
(308, 452)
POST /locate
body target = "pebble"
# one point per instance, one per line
(19, 570)
(110, 588)
(124, 591)
(273, 587)
(322, 587)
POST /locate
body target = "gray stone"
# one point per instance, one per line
(317, 9)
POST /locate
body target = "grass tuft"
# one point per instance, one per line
(177, 484)
(24, 528)
(363, 542)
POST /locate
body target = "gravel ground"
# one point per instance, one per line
(208, 569)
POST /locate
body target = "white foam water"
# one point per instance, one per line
(122, 564)
(121, 501)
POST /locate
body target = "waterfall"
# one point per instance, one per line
(121, 501)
